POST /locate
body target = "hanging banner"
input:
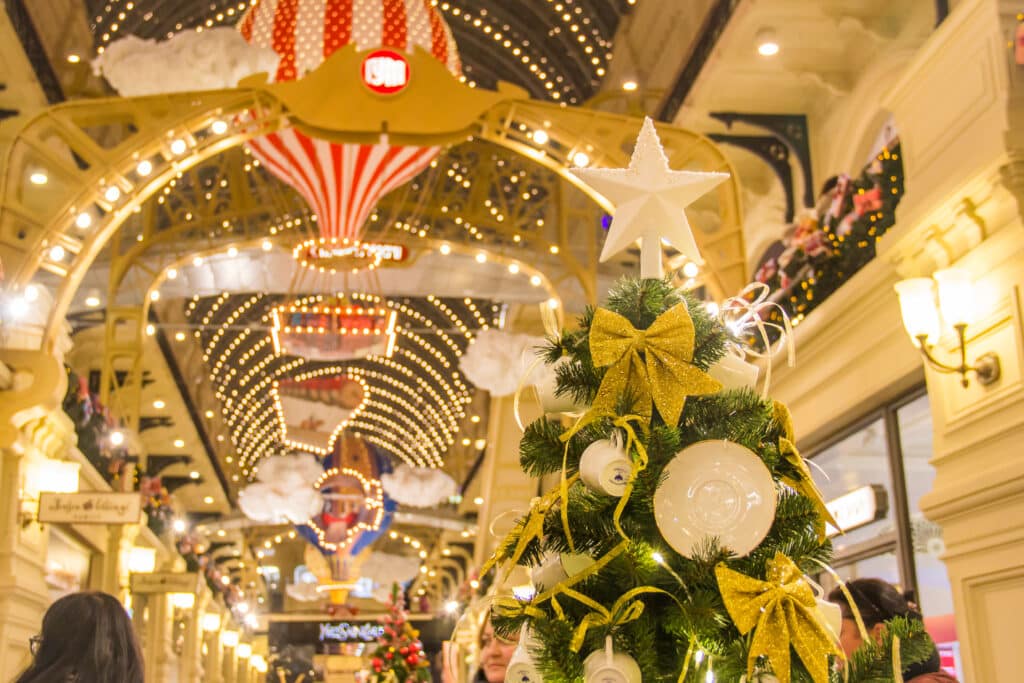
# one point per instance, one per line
(164, 582)
(90, 508)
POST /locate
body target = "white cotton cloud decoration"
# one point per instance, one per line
(497, 360)
(386, 569)
(283, 492)
(418, 486)
(211, 60)
(303, 592)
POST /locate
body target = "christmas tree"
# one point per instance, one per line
(677, 545)
(399, 656)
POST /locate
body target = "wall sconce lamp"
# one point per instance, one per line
(921, 317)
(210, 622)
(44, 475)
(184, 601)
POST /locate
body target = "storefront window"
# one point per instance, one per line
(67, 565)
(935, 596)
(891, 455)
(859, 460)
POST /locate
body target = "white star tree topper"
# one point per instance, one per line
(650, 199)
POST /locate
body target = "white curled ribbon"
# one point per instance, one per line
(741, 314)
(551, 320)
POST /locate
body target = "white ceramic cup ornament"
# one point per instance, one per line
(546, 386)
(605, 466)
(828, 614)
(521, 668)
(554, 569)
(608, 666)
(734, 372)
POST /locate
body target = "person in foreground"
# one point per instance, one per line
(86, 638)
(495, 653)
(878, 602)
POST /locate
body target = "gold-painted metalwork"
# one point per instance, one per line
(153, 178)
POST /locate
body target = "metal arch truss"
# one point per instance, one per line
(132, 173)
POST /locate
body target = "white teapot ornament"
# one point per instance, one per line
(605, 466)
(555, 568)
(521, 668)
(609, 666)
(547, 384)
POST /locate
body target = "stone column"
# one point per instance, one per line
(229, 667)
(23, 594)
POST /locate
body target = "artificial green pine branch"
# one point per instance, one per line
(872, 662)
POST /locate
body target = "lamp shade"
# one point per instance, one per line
(183, 600)
(211, 622)
(44, 474)
(142, 560)
(917, 304)
(244, 650)
(229, 638)
(956, 296)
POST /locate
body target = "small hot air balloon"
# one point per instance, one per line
(342, 182)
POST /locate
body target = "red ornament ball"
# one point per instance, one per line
(388, 655)
(412, 659)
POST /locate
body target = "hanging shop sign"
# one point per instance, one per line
(164, 582)
(334, 331)
(344, 632)
(858, 507)
(348, 256)
(386, 72)
(90, 508)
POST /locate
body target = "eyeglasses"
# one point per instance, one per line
(34, 643)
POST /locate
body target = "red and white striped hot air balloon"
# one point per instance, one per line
(342, 182)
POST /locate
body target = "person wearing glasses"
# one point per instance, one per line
(86, 638)
(878, 602)
(495, 653)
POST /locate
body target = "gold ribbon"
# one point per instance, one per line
(805, 485)
(624, 610)
(654, 364)
(532, 527)
(781, 612)
(512, 608)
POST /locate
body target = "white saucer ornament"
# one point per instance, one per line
(609, 666)
(521, 668)
(715, 489)
(605, 466)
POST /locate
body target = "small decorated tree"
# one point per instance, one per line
(399, 656)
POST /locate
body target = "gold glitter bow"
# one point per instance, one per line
(781, 611)
(654, 364)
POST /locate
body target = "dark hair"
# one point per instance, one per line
(876, 600)
(86, 638)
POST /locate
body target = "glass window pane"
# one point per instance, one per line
(935, 596)
(859, 460)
